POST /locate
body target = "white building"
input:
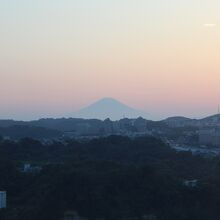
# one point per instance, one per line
(3, 198)
(191, 183)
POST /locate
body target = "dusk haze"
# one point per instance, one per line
(58, 57)
(109, 109)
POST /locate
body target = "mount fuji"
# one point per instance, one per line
(109, 108)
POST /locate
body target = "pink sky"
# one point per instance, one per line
(161, 58)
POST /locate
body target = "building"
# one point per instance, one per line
(3, 198)
(190, 183)
(31, 169)
(140, 124)
(209, 136)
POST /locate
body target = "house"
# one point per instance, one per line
(31, 169)
(190, 183)
(3, 199)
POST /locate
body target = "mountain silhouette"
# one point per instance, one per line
(108, 108)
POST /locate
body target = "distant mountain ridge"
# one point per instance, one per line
(179, 121)
(104, 117)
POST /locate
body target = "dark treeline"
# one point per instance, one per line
(110, 178)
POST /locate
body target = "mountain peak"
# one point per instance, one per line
(109, 101)
(108, 108)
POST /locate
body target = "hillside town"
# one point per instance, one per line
(177, 131)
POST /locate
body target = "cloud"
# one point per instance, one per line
(210, 25)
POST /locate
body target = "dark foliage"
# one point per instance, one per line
(111, 178)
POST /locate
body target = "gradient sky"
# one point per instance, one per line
(57, 56)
